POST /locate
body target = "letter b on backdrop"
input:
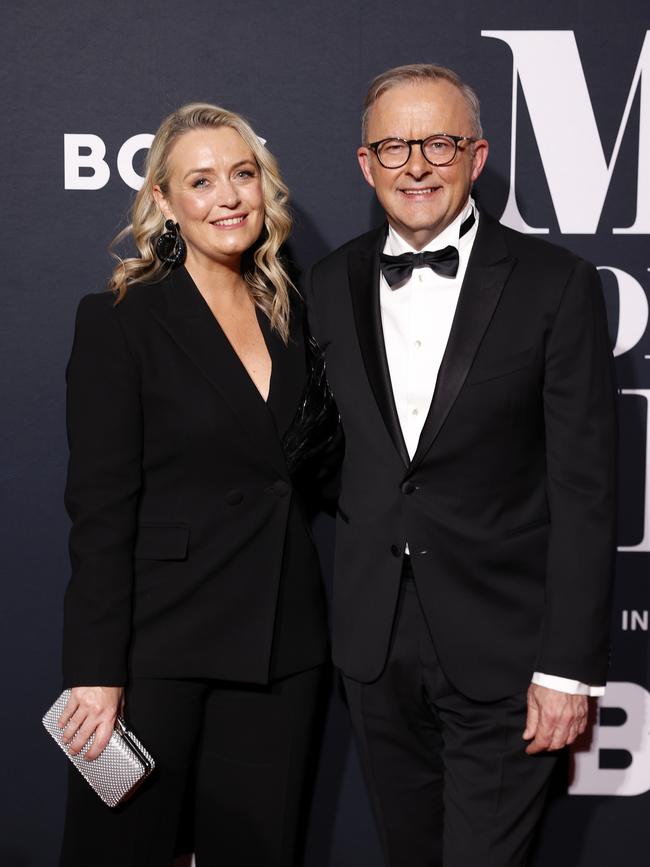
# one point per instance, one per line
(630, 740)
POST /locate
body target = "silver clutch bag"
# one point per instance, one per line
(118, 771)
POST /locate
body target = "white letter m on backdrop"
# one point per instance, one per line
(547, 64)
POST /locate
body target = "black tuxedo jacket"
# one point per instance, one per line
(508, 505)
(184, 517)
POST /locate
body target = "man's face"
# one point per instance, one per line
(420, 200)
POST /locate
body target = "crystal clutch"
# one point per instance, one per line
(118, 771)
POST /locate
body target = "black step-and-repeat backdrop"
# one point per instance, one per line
(565, 91)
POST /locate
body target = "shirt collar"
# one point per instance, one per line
(396, 245)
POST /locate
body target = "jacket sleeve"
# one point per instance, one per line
(104, 476)
(581, 455)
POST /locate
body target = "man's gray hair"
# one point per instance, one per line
(415, 72)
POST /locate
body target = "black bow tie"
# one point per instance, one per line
(397, 269)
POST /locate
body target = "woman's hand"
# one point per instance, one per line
(90, 709)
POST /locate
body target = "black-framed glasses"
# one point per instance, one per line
(439, 149)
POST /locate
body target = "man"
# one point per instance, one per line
(475, 530)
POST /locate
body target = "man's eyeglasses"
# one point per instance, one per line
(439, 149)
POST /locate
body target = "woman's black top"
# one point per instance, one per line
(191, 553)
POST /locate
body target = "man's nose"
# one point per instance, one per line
(417, 166)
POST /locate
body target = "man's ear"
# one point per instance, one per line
(161, 200)
(479, 157)
(364, 157)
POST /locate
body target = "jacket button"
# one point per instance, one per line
(280, 488)
(234, 498)
(409, 488)
(395, 550)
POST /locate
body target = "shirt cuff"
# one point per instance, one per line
(565, 684)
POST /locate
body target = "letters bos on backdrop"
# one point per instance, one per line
(566, 107)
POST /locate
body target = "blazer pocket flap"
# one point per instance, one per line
(501, 367)
(162, 542)
(522, 529)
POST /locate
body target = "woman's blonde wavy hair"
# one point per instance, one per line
(262, 269)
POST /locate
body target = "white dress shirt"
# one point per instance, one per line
(416, 320)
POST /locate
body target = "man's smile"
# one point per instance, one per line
(419, 191)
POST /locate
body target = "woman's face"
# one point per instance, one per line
(214, 194)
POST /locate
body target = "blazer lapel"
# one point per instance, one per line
(363, 275)
(185, 315)
(488, 269)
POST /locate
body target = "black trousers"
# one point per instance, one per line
(241, 754)
(449, 778)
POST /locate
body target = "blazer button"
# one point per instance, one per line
(409, 488)
(280, 488)
(234, 498)
(395, 550)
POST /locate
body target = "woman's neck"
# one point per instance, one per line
(219, 281)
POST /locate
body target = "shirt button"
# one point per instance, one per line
(395, 550)
(408, 488)
(417, 344)
(415, 411)
(421, 277)
(280, 488)
(234, 498)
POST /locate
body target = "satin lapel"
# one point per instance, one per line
(185, 315)
(487, 272)
(363, 274)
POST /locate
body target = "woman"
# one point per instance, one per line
(195, 599)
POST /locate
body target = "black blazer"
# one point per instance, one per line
(508, 505)
(186, 531)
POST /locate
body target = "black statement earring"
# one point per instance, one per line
(170, 247)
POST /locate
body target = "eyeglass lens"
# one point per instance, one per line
(437, 149)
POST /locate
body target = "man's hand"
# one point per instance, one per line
(554, 719)
(90, 710)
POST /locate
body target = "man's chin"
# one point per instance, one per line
(419, 232)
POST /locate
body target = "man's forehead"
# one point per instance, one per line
(419, 101)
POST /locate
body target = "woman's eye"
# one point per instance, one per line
(199, 183)
(245, 173)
